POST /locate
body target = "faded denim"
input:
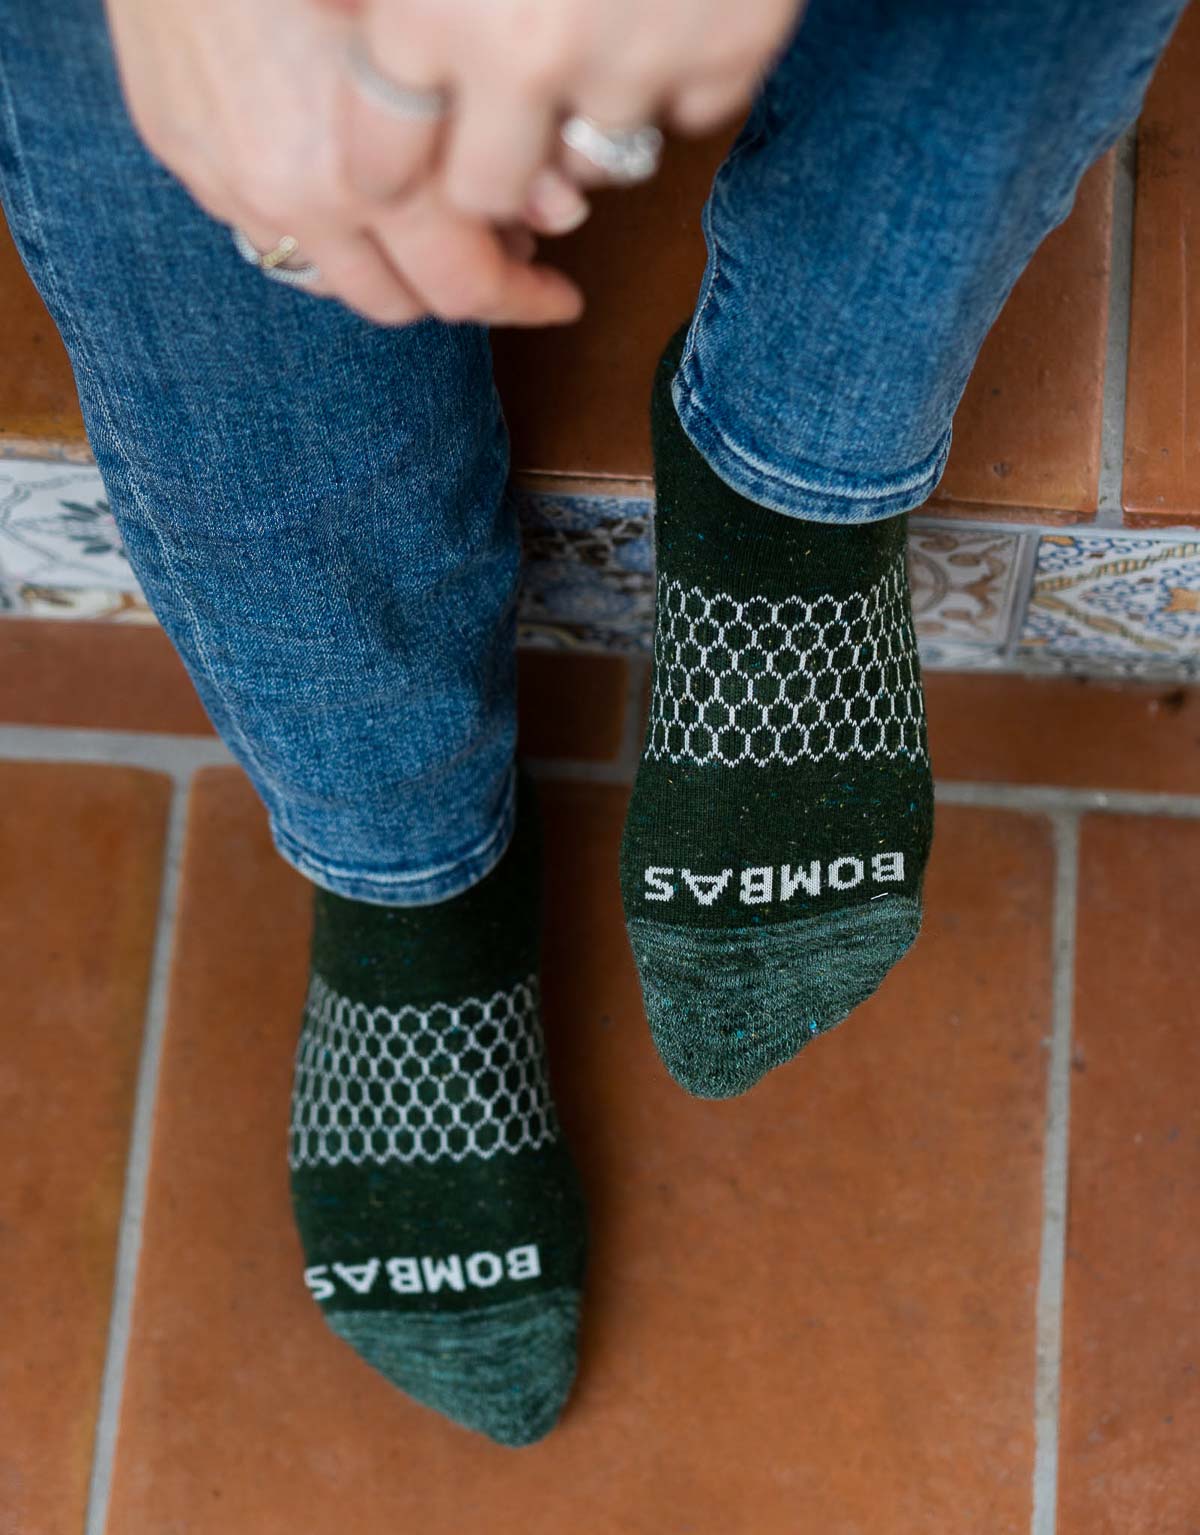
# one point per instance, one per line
(316, 507)
(903, 163)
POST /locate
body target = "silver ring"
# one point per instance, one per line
(400, 100)
(625, 155)
(270, 263)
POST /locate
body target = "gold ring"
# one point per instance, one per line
(288, 246)
(272, 263)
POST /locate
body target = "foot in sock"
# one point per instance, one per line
(438, 1208)
(780, 823)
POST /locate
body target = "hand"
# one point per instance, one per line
(513, 68)
(241, 99)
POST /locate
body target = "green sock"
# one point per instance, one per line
(439, 1211)
(780, 823)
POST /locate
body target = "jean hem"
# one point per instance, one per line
(419, 887)
(807, 492)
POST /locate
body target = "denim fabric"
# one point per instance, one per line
(316, 507)
(902, 165)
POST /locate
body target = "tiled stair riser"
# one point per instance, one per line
(992, 598)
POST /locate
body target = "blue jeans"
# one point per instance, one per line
(316, 507)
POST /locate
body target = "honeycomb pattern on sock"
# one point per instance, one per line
(412, 1084)
(439, 1210)
(777, 835)
(755, 681)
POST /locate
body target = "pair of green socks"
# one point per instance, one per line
(771, 873)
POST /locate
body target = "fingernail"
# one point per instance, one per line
(556, 205)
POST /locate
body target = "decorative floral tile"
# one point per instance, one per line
(92, 602)
(589, 580)
(937, 656)
(1125, 602)
(964, 587)
(56, 529)
(589, 571)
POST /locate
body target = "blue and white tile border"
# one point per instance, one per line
(987, 597)
(1117, 602)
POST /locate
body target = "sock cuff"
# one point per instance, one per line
(714, 538)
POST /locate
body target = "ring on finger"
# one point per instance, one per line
(404, 101)
(271, 262)
(625, 155)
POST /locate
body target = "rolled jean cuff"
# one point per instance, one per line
(806, 491)
(405, 887)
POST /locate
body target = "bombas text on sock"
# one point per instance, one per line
(425, 1275)
(763, 884)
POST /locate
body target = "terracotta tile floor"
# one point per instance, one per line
(940, 1277)
(1162, 417)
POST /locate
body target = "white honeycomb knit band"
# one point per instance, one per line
(419, 1084)
(764, 682)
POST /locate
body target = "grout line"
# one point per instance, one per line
(178, 756)
(1182, 533)
(1026, 570)
(1111, 513)
(1052, 1265)
(1047, 799)
(133, 1204)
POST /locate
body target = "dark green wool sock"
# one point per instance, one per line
(780, 823)
(440, 1214)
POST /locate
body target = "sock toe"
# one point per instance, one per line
(505, 1371)
(726, 1006)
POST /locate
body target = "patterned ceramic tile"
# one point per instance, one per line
(55, 528)
(589, 580)
(91, 602)
(951, 657)
(964, 586)
(589, 571)
(1122, 603)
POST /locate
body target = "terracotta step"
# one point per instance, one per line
(1027, 437)
(106, 676)
(39, 410)
(576, 707)
(1162, 423)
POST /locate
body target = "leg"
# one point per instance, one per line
(316, 510)
(904, 162)
(900, 168)
(314, 506)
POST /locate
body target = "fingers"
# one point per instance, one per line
(703, 105)
(359, 272)
(500, 138)
(554, 205)
(350, 267)
(581, 171)
(386, 148)
(418, 258)
(460, 269)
